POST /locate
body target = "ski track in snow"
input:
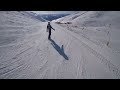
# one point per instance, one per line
(50, 68)
(35, 57)
(111, 67)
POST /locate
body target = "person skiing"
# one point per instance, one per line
(49, 27)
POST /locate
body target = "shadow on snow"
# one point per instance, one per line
(59, 50)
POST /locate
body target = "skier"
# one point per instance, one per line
(49, 27)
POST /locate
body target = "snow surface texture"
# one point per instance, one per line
(79, 50)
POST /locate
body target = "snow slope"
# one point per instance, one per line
(70, 17)
(14, 25)
(68, 55)
(101, 27)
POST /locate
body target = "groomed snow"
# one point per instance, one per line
(76, 51)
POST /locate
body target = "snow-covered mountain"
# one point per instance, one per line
(88, 47)
(88, 18)
(49, 17)
(69, 17)
(100, 26)
(35, 15)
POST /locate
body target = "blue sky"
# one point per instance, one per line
(54, 12)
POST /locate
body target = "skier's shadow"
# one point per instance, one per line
(59, 50)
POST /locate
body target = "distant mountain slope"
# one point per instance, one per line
(50, 17)
(70, 17)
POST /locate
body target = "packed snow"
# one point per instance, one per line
(84, 45)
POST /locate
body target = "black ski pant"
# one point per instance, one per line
(49, 36)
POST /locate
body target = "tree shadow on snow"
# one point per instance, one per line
(59, 50)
